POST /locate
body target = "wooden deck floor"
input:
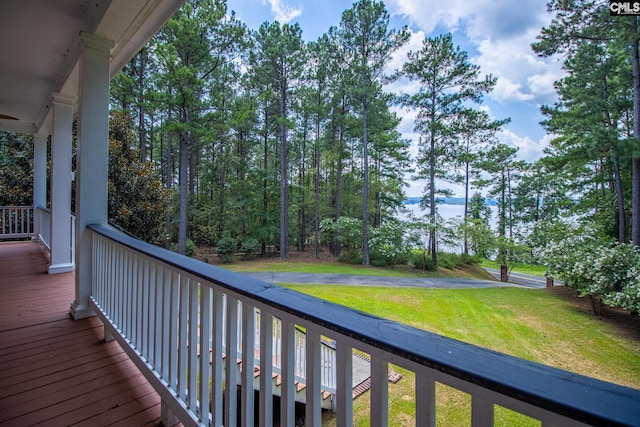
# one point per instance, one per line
(55, 371)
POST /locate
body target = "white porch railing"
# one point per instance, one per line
(153, 300)
(43, 218)
(16, 222)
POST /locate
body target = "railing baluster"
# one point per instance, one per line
(313, 411)
(192, 366)
(150, 329)
(165, 343)
(231, 373)
(205, 366)
(425, 400)
(138, 302)
(266, 369)
(183, 338)
(248, 359)
(217, 360)
(174, 343)
(344, 386)
(128, 272)
(481, 412)
(146, 296)
(379, 391)
(287, 372)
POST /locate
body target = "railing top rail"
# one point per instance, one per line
(575, 396)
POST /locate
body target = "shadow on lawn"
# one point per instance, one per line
(628, 325)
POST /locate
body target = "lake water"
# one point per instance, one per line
(448, 212)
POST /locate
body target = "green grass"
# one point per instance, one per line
(536, 325)
(332, 267)
(535, 270)
(335, 267)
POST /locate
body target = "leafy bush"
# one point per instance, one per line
(226, 247)
(389, 244)
(422, 261)
(190, 248)
(607, 271)
(249, 248)
(348, 231)
(352, 257)
(449, 260)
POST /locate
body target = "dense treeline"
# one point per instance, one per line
(266, 136)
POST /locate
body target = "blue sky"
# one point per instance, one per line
(497, 34)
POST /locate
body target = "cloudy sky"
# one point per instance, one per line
(496, 34)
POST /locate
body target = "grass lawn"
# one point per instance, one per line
(271, 265)
(542, 325)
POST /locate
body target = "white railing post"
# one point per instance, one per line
(231, 374)
(313, 411)
(248, 359)
(344, 386)
(425, 400)
(266, 369)
(217, 378)
(481, 412)
(379, 391)
(288, 372)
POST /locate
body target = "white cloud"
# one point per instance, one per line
(282, 12)
(479, 19)
(502, 32)
(528, 149)
(522, 75)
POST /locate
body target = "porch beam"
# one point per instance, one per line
(91, 159)
(61, 252)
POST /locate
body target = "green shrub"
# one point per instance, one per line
(249, 248)
(352, 257)
(422, 261)
(449, 260)
(226, 248)
(190, 248)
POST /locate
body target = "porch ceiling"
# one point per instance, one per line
(40, 48)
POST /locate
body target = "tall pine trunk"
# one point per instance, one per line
(284, 187)
(365, 187)
(635, 171)
(184, 192)
(432, 197)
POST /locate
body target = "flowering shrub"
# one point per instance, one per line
(596, 267)
(388, 243)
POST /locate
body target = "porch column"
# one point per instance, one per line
(61, 261)
(39, 179)
(91, 160)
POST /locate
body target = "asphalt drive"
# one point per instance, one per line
(358, 280)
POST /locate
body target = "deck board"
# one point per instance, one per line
(55, 371)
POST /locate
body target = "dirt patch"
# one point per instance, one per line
(626, 324)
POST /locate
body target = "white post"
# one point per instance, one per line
(61, 137)
(92, 160)
(39, 179)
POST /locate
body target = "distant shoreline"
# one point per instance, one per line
(447, 201)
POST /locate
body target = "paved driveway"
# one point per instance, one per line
(357, 280)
